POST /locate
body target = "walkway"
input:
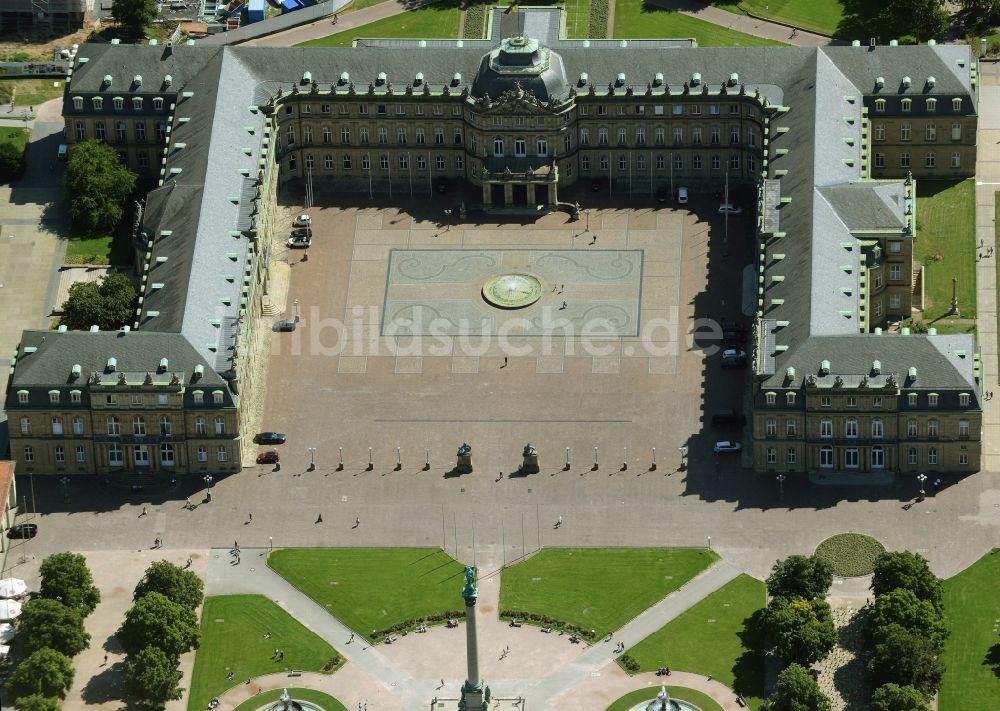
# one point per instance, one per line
(325, 27)
(745, 23)
(418, 667)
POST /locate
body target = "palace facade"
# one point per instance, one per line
(831, 140)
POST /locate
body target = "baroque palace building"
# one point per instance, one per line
(830, 139)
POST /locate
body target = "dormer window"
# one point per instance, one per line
(911, 399)
(137, 103)
(98, 103)
(789, 398)
(78, 103)
(217, 397)
(75, 396)
(963, 399)
(119, 103)
(880, 104)
(932, 104)
(770, 398)
(157, 103)
(54, 397)
(956, 104)
(199, 396)
(906, 105)
(932, 400)
(22, 397)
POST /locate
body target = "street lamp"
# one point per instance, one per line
(781, 486)
(208, 483)
(312, 458)
(340, 464)
(65, 485)
(587, 213)
(652, 467)
(921, 478)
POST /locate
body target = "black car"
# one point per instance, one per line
(286, 325)
(22, 530)
(270, 438)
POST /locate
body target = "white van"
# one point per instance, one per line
(63, 153)
(682, 195)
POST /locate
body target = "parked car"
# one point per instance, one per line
(63, 152)
(302, 242)
(682, 195)
(727, 208)
(286, 325)
(732, 358)
(302, 220)
(727, 446)
(302, 233)
(726, 418)
(268, 457)
(270, 438)
(22, 530)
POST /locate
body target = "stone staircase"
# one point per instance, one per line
(917, 289)
(269, 308)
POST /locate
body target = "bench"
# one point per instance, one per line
(295, 672)
(515, 622)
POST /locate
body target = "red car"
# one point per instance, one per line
(268, 457)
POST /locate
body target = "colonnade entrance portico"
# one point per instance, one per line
(530, 188)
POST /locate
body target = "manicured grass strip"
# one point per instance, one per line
(29, 92)
(361, 4)
(971, 657)
(996, 248)
(709, 639)
(946, 244)
(324, 701)
(643, 21)
(823, 16)
(850, 554)
(98, 250)
(16, 135)
(232, 640)
(437, 21)
(374, 588)
(633, 699)
(598, 588)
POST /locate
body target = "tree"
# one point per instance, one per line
(134, 15)
(11, 160)
(181, 586)
(903, 608)
(45, 673)
(905, 658)
(923, 19)
(97, 186)
(151, 677)
(800, 576)
(155, 621)
(37, 702)
(796, 690)
(893, 697)
(49, 623)
(108, 303)
(903, 569)
(65, 577)
(800, 631)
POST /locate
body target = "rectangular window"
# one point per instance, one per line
(878, 458)
(602, 136)
(880, 160)
(640, 136)
(932, 458)
(25, 426)
(852, 401)
(930, 160)
(202, 454)
(696, 136)
(895, 272)
(716, 136)
(658, 135)
(826, 457)
(29, 455)
(911, 428)
(772, 455)
(851, 429)
(930, 132)
(932, 428)
(328, 162)
(141, 454)
(81, 454)
(696, 162)
(879, 132)
(60, 455)
(770, 427)
(956, 160)
(825, 401)
(963, 428)
(678, 135)
(904, 160)
(418, 136)
(734, 135)
(911, 456)
(790, 455)
(904, 131)
(716, 162)
(956, 132)
(221, 454)
(790, 428)
(851, 458)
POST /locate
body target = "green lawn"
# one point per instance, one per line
(232, 639)
(821, 16)
(375, 588)
(598, 588)
(30, 92)
(631, 700)
(15, 135)
(971, 657)
(437, 21)
(707, 639)
(946, 244)
(324, 701)
(996, 246)
(638, 20)
(104, 249)
(361, 4)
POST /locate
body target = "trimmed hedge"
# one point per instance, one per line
(629, 663)
(475, 20)
(546, 621)
(410, 625)
(598, 28)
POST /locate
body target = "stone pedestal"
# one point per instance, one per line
(464, 464)
(530, 464)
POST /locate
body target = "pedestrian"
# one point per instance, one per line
(505, 361)
(143, 511)
(237, 559)
(351, 639)
(989, 252)
(442, 684)
(559, 522)
(319, 519)
(236, 545)
(357, 521)
(563, 306)
(187, 504)
(281, 655)
(189, 563)
(250, 519)
(105, 659)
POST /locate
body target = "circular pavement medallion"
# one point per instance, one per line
(512, 291)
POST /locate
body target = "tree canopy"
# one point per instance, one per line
(48, 623)
(46, 673)
(152, 678)
(37, 702)
(796, 690)
(174, 583)
(108, 303)
(155, 621)
(97, 186)
(11, 160)
(800, 576)
(903, 569)
(903, 608)
(65, 577)
(800, 631)
(892, 697)
(905, 658)
(134, 16)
